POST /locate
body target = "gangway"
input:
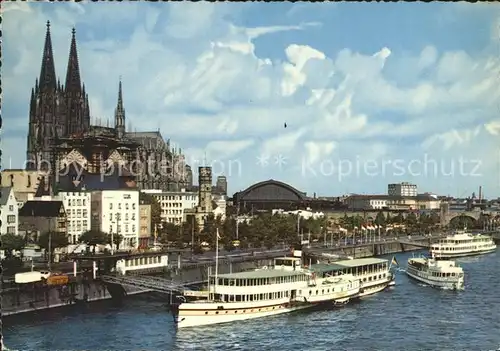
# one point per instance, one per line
(147, 283)
(424, 245)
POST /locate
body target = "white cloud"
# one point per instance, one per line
(200, 77)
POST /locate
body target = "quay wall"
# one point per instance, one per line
(375, 249)
(22, 298)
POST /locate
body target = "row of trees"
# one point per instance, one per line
(54, 240)
(270, 230)
(411, 221)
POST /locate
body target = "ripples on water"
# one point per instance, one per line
(409, 317)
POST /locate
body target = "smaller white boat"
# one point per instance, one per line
(462, 243)
(436, 273)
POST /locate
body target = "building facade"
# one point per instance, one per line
(393, 203)
(220, 206)
(221, 185)
(8, 211)
(119, 214)
(77, 208)
(402, 189)
(367, 202)
(145, 231)
(25, 183)
(173, 204)
(38, 216)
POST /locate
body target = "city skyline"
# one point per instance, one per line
(327, 105)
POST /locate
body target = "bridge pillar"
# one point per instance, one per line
(445, 210)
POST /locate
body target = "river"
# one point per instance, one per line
(408, 317)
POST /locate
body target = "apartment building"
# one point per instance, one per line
(8, 211)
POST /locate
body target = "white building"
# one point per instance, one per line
(221, 203)
(402, 189)
(367, 202)
(303, 214)
(119, 214)
(174, 203)
(77, 207)
(9, 212)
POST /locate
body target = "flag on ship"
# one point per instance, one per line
(394, 261)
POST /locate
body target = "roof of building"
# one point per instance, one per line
(147, 139)
(270, 190)
(419, 197)
(37, 208)
(261, 273)
(78, 179)
(4, 195)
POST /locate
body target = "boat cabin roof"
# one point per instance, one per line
(261, 273)
(340, 265)
(361, 262)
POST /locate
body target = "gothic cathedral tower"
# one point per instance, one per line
(77, 103)
(55, 111)
(120, 114)
(46, 106)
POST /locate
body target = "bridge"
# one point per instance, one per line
(447, 216)
(424, 245)
(146, 283)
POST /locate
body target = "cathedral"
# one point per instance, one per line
(60, 134)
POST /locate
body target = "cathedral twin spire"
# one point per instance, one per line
(61, 111)
(48, 79)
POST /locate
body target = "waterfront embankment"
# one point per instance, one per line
(21, 298)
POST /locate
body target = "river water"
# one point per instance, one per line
(408, 317)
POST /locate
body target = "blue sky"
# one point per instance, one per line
(370, 93)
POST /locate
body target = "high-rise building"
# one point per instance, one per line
(221, 185)
(402, 189)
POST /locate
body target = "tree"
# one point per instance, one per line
(117, 240)
(411, 220)
(56, 239)
(148, 199)
(190, 231)
(380, 219)
(94, 237)
(169, 233)
(12, 242)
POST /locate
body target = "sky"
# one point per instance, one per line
(331, 98)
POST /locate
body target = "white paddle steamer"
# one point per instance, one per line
(286, 287)
(462, 243)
